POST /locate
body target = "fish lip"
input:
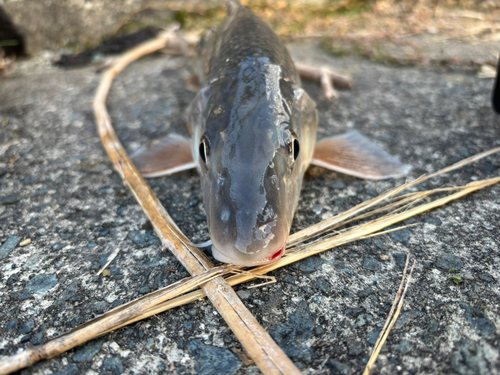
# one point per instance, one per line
(269, 259)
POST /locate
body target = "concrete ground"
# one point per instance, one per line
(58, 189)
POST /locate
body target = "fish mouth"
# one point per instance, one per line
(269, 259)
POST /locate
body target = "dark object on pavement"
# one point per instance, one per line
(495, 97)
(113, 45)
(11, 40)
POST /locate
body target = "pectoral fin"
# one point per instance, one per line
(169, 155)
(353, 154)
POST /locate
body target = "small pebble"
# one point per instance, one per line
(9, 199)
(87, 352)
(112, 365)
(150, 343)
(449, 261)
(8, 246)
(26, 242)
(26, 327)
(317, 209)
(371, 263)
(12, 325)
(40, 283)
(57, 246)
(243, 294)
(211, 360)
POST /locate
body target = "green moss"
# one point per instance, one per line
(353, 8)
(456, 278)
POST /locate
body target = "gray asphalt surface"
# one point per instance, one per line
(58, 188)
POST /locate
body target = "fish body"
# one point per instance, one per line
(253, 135)
(257, 129)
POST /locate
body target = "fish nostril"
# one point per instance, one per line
(225, 214)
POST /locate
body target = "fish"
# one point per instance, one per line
(253, 136)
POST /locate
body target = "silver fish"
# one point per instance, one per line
(253, 135)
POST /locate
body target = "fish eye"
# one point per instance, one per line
(204, 149)
(295, 148)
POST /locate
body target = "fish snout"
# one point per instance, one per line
(238, 258)
(247, 241)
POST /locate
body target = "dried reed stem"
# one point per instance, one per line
(317, 74)
(392, 318)
(261, 347)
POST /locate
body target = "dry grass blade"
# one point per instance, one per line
(111, 258)
(392, 318)
(393, 307)
(341, 219)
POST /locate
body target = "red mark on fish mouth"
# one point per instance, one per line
(276, 255)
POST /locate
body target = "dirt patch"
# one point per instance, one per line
(397, 32)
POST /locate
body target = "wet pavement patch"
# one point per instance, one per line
(88, 351)
(144, 239)
(112, 45)
(210, 360)
(292, 336)
(478, 320)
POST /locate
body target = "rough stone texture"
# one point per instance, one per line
(331, 307)
(51, 24)
(210, 360)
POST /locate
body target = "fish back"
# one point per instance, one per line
(244, 35)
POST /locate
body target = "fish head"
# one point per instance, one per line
(253, 148)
